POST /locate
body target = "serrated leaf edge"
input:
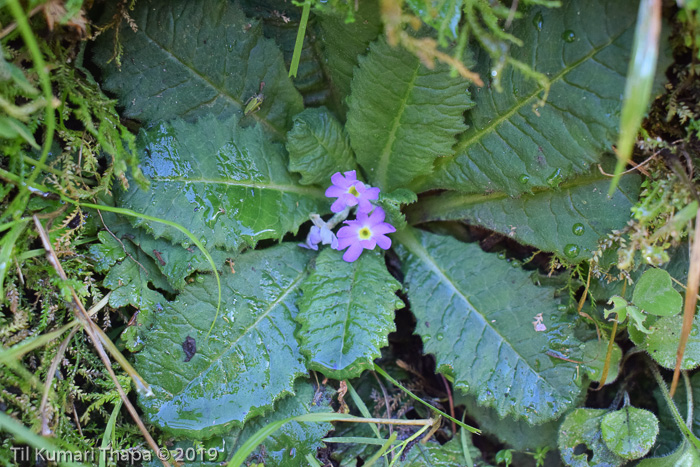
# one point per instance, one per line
(414, 246)
(221, 92)
(465, 141)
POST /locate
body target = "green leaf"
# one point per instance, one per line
(281, 20)
(670, 437)
(629, 432)
(582, 426)
(318, 147)
(654, 293)
(186, 60)
(107, 252)
(662, 343)
(347, 454)
(288, 446)
(249, 361)
(229, 189)
(130, 277)
(285, 448)
(637, 319)
(583, 48)
(594, 356)
(623, 309)
(392, 202)
(443, 16)
(11, 72)
(433, 454)
(486, 339)
(620, 306)
(343, 43)
(516, 434)
(569, 220)
(346, 313)
(402, 116)
(134, 280)
(175, 262)
(11, 128)
(685, 456)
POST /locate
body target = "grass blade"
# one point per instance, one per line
(359, 403)
(109, 431)
(385, 447)
(254, 441)
(299, 44)
(640, 78)
(23, 434)
(398, 385)
(355, 440)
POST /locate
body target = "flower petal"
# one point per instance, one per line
(372, 193)
(368, 244)
(383, 228)
(314, 235)
(352, 253)
(362, 219)
(327, 236)
(343, 243)
(338, 180)
(383, 241)
(351, 175)
(349, 199)
(338, 205)
(364, 206)
(349, 231)
(377, 216)
(334, 191)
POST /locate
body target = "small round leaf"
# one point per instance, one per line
(580, 432)
(662, 343)
(595, 354)
(654, 293)
(630, 432)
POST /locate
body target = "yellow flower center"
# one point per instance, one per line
(353, 191)
(365, 233)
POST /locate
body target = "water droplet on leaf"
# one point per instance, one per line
(554, 178)
(524, 179)
(568, 36)
(538, 21)
(571, 250)
(578, 229)
(440, 336)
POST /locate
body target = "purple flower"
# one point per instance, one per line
(365, 232)
(319, 233)
(351, 192)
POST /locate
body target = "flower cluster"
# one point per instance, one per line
(365, 232)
